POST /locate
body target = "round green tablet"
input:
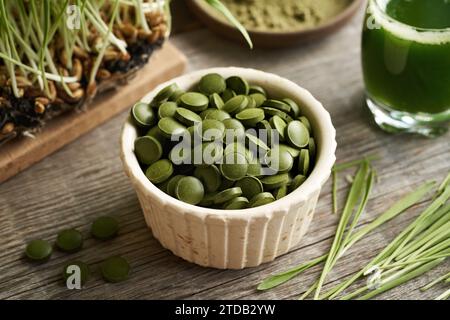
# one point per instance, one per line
(227, 95)
(236, 204)
(204, 113)
(192, 131)
(226, 184)
(70, 240)
(312, 148)
(84, 270)
(194, 101)
(176, 95)
(159, 171)
(167, 109)
(250, 117)
(170, 127)
(156, 133)
(208, 200)
(275, 112)
(297, 134)
(266, 132)
(235, 147)
(279, 125)
(250, 186)
(254, 169)
(259, 99)
(295, 109)
(280, 192)
(234, 129)
(297, 182)
(275, 181)
(172, 185)
(277, 104)
(115, 269)
(261, 199)
(251, 103)
(306, 122)
(238, 85)
(293, 151)
(38, 250)
(255, 144)
(165, 93)
(279, 159)
(235, 166)
(147, 149)
(180, 154)
(143, 114)
(235, 104)
(212, 83)
(218, 115)
(210, 177)
(104, 228)
(227, 195)
(187, 116)
(208, 153)
(190, 190)
(303, 162)
(211, 130)
(163, 186)
(216, 101)
(257, 89)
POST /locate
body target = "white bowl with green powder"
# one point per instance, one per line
(278, 23)
(234, 239)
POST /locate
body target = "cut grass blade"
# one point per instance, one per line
(334, 182)
(444, 296)
(398, 208)
(216, 4)
(354, 163)
(435, 282)
(417, 271)
(355, 194)
(281, 278)
(391, 251)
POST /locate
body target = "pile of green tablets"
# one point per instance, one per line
(113, 269)
(225, 144)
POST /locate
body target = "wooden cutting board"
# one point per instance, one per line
(21, 153)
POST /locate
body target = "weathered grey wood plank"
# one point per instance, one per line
(85, 180)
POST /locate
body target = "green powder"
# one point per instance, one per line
(284, 15)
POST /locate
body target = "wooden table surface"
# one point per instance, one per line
(85, 180)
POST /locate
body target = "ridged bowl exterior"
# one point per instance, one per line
(235, 239)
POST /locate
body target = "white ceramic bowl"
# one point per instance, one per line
(235, 239)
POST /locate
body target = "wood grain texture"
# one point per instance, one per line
(23, 152)
(84, 180)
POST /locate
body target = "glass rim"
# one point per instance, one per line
(381, 5)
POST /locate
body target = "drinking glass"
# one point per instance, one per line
(406, 73)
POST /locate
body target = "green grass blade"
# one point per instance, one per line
(355, 194)
(219, 6)
(281, 278)
(334, 182)
(444, 296)
(396, 209)
(354, 163)
(435, 282)
(400, 280)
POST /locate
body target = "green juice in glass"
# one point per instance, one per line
(406, 64)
